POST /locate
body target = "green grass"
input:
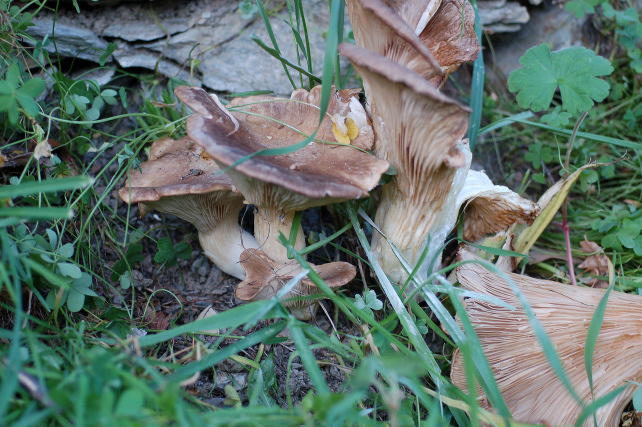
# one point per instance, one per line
(66, 344)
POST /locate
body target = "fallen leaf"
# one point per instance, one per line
(43, 149)
(596, 265)
(208, 312)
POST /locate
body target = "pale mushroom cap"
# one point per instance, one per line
(316, 175)
(443, 35)
(378, 28)
(416, 13)
(490, 208)
(530, 388)
(266, 277)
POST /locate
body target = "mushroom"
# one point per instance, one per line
(418, 130)
(266, 277)
(490, 208)
(378, 28)
(431, 39)
(181, 180)
(278, 186)
(532, 391)
(416, 13)
(450, 35)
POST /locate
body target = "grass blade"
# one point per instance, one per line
(477, 89)
(592, 334)
(268, 28)
(35, 213)
(397, 304)
(227, 319)
(222, 354)
(307, 358)
(45, 186)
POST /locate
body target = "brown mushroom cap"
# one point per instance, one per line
(182, 180)
(490, 208)
(378, 28)
(418, 130)
(316, 175)
(266, 277)
(447, 41)
(416, 13)
(530, 387)
(178, 168)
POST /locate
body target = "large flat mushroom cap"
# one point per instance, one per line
(177, 168)
(316, 175)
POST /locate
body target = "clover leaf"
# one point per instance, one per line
(574, 70)
(168, 254)
(14, 95)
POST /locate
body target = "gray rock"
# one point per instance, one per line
(238, 381)
(199, 41)
(71, 41)
(499, 16)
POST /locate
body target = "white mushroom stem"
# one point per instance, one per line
(225, 243)
(221, 237)
(446, 218)
(268, 222)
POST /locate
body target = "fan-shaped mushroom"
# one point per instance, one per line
(450, 35)
(180, 179)
(378, 28)
(417, 130)
(416, 13)
(490, 208)
(531, 389)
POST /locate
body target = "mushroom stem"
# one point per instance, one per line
(225, 243)
(419, 212)
(268, 222)
(221, 237)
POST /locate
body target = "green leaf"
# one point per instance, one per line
(83, 285)
(637, 399)
(33, 87)
(611, 241)
(111, 47)
(132, 256)
(581, 7)
(125, 280)
(69, 270)
(75, 301)
(574, 70)
(557, 117)
(130, 403)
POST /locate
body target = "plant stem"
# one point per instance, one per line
(567, 234)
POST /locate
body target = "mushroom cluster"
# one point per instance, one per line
(405, 50)
(278, 186)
